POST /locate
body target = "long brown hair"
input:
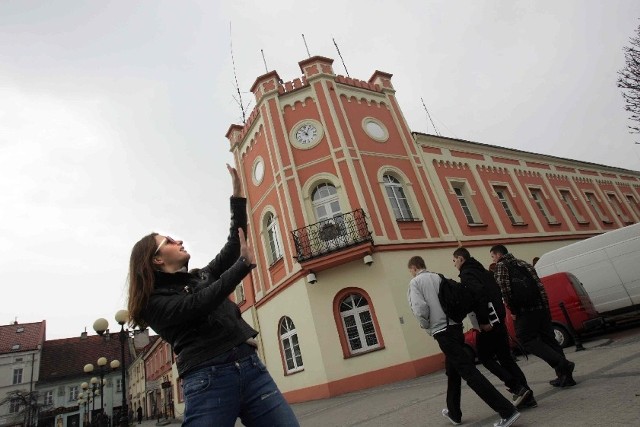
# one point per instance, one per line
(141, 280)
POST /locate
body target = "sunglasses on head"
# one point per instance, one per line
(166, 240)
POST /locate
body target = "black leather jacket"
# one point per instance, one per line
(485, 289)
(192, 312)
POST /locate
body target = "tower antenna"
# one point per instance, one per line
(340, 55)
(305, 46)
(235, 76)
(266, 70)
(429, 117)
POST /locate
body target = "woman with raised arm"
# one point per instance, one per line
(223, 378)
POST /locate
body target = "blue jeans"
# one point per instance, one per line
(218, 395)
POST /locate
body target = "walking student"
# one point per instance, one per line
(223, 378)
(531, 312)
(492, 340)
(423, 300)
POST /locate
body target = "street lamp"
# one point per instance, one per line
(102, 370)
(101, 326)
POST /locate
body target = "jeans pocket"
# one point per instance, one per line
(258, 364)
(197, 382)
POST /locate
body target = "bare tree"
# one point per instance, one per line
(629, 81)
(26, 405)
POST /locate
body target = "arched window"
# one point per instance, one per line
(397, 198)
(358, 323)
(325, 201)
(273, 237)
(290, 346)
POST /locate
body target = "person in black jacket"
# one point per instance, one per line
(223, 378)
(492, 341)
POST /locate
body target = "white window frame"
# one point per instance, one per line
(73, 393)
(351, 307)
(14, 405)
(537, 195)
(274, 239)
(567, 197)
(460, 189)
(617, 207)
(397, 198)
(592, 199)
(17, 376)
(633, 202)
(287, 338)
(503, 193)
(118, 385)
(239, 294)
(48, 397)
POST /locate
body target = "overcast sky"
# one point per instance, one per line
(113, 113)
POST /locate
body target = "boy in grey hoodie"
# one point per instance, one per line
(425, 305)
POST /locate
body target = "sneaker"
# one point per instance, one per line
(527, 404)
(521, 395)
(567, 381)
(506, 422)
(556, 382)
(445, 413)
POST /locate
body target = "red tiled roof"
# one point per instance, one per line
(19, 337)
(66, 357)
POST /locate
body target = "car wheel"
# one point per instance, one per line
(562, 336)
(470, 352)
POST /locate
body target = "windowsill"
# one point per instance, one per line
(478, 225)
(554, 223)
(276, 262)
(241, 303)
(408, 220)
(583, 222)
(607, 222)
(364, 352)
(288, 373)
(519, 224)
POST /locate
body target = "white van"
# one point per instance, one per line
(608, 265)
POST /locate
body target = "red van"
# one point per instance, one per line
(560, 287)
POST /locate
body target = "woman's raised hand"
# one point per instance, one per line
(235, 178)
(245, 248)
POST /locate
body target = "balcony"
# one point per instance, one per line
(331, 235)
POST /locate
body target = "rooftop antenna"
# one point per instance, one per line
(266, 70)
(305, 46)
(429, 117)
(340, 55)
(235, 76)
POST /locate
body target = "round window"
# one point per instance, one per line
(375, 130)
(258, 171)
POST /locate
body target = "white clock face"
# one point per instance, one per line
(306, 134)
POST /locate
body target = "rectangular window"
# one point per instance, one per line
(617, 208)
(538, 198)
(239, 294)
(568, 201)
(634, 204)
(507, 205)
(48, 397)
(14, 406)
(464, 199)
(17, 376)
(595, 205)
(119, 385)
(73, 393)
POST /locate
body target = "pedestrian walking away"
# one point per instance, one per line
(223, 378)
(492, 340)
(527, 300)
(425, 305)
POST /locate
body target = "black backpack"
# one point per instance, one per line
(455, 298)
(524, 288)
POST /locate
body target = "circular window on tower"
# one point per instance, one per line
(258, 171)
(375, 129)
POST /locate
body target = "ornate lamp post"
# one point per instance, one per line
(101, 326)
(102, 370)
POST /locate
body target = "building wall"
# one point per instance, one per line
(430, 169)
(29, 363)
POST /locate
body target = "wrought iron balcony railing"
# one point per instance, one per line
(330, 235)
